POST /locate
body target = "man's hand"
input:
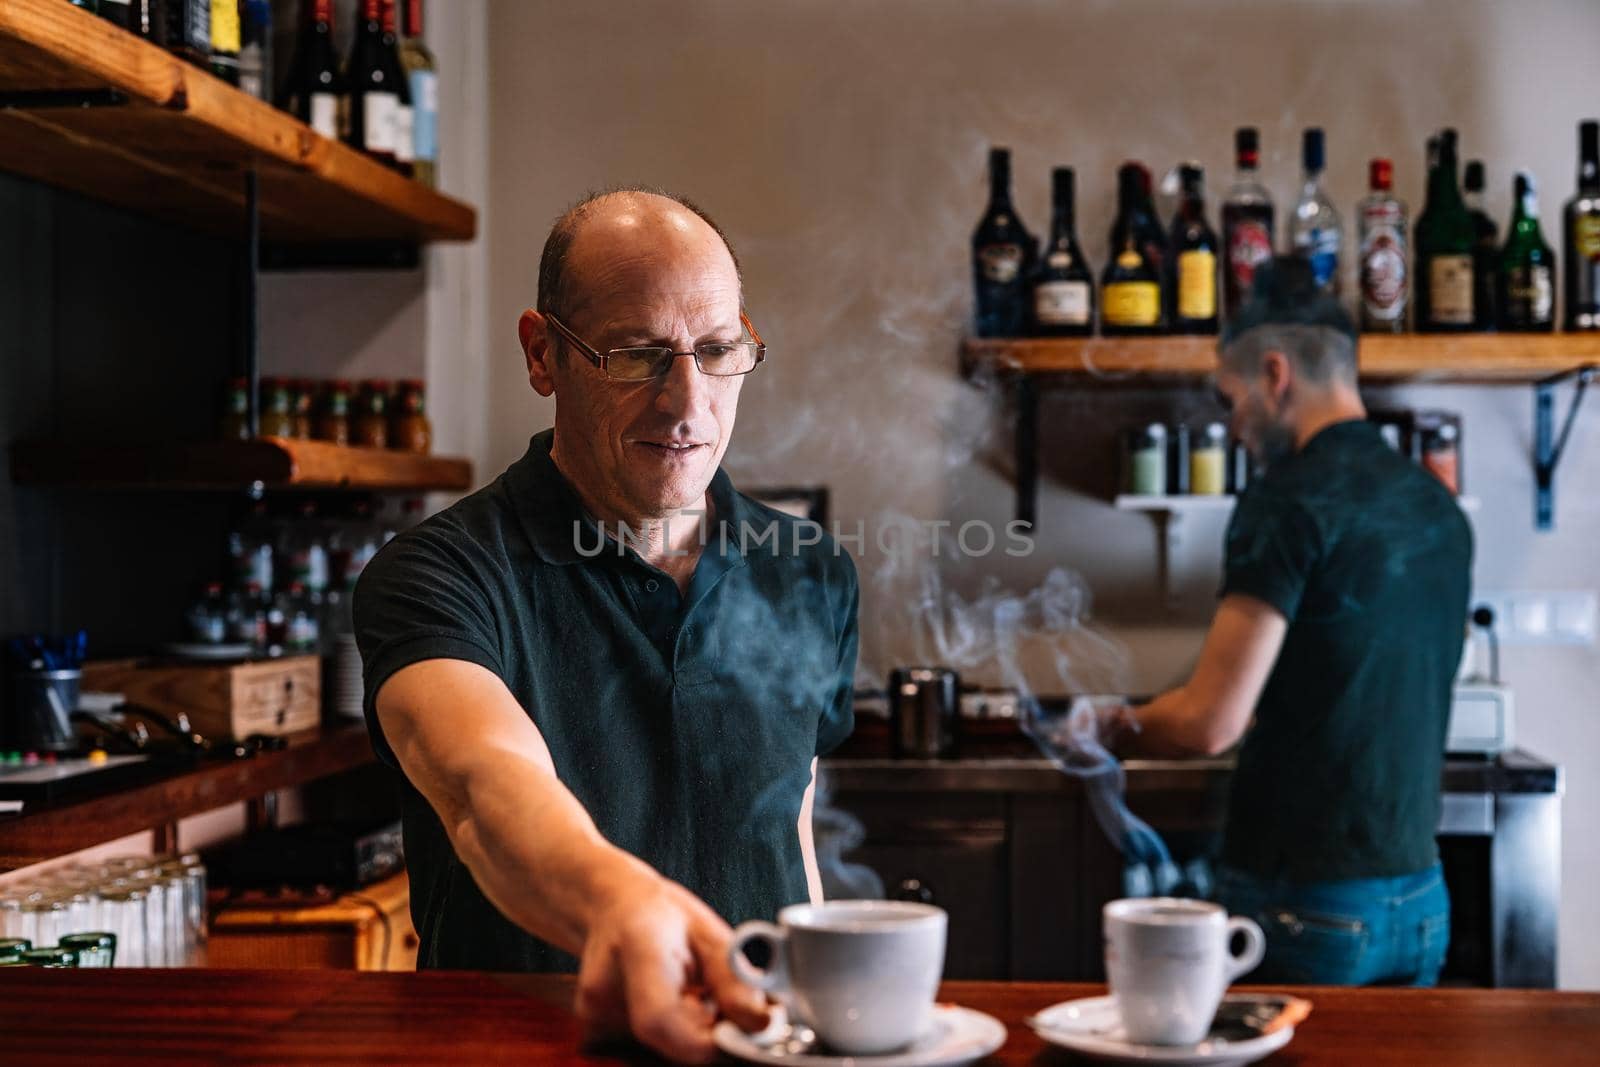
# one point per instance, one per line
(655, 963)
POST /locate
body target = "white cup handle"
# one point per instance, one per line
(775, 978)
(1255, 946)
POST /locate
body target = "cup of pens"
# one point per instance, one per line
(45, 675)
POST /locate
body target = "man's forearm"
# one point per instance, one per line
(534, 850)
(1171, 726)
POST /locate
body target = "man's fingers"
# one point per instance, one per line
(745, 1006)
(662, 1012)
(599, 1000)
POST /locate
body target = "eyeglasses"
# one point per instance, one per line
(719, 359)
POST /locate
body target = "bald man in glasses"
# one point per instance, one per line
(607, 677)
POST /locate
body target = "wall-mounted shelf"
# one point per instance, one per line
(1171, 512)
(267, 462)
(52, 830)
(1478, 358)
(1027, 365)
(92, 108)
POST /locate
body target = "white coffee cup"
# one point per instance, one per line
(861, 973)
(1169, 963)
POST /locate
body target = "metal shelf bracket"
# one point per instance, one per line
(1548, 446)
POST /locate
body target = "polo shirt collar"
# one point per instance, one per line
(554, 518)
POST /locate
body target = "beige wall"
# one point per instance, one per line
(841, 145)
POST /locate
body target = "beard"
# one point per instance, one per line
(1268, 439)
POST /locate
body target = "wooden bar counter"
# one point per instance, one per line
(321, 1017)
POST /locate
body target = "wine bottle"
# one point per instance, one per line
(225, 40)
(1246, 222)
(1063, 288)
(372, 100)
(117, 12)
(1527, 268)
(1002, 257)
(1486, 251)
(403, 135)
(148, 19)
(314, 89)
(1385, 283)
(1314, 229)
(189, 30)
(1192, 259)
(255, 48)
(1130, 291)
(1580, 235)
(423, 81)
(1445, 240)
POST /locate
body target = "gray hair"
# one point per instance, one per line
(1319, 354)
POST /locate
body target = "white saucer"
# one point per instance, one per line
(1092, 1027)
(955, 1036)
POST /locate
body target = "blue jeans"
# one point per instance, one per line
(1367, 931)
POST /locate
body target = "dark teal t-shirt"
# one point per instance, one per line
(1369, 559)
(685, 725)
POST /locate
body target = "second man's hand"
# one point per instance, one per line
(655, 964)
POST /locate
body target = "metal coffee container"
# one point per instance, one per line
(40, 716)
(924, 703)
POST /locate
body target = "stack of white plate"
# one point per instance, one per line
(346, 681)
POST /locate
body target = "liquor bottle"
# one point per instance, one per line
(149, 20)
(1527, 269)
(1246, 222)
(255, 48)
(1002, 257)
(225, 40)
(403, 135)
(1314, 228)
(1580, 235)
(1445, 240)
(117, 12)
(1192, 259)
(1063, 287)
(1385, 284)
(314, 89)
(1130, 290)
(1486, 252)
(423, 82)
(370, 119)
(189, 30)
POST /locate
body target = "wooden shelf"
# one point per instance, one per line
(51, 830)
(275, 462)
(177, 149)
(1442, 358)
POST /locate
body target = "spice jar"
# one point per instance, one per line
(409, 429)
(277, 416)
(1441, 455)
(300, 396)
(370, 427)
(236, 411)
(1146, 461)
(333, 418)
(1208, 463)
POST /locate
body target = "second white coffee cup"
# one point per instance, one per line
(1168, 962)
(861, 973)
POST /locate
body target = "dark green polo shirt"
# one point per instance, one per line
(685, 725)
(1369, 559)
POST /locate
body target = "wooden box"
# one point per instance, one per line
(368, 929)
(223, 700)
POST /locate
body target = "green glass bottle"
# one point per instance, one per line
(1445, 239)
(1527, 270)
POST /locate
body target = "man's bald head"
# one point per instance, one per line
(636, 206)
